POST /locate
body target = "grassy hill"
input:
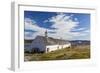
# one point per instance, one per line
(75, 52)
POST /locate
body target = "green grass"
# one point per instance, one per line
(76, 52)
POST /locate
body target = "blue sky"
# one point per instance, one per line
(69, 26)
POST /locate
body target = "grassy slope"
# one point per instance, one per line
(77, 52)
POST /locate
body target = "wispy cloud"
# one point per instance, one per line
(32, 25)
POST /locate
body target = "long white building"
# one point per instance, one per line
(47, 44)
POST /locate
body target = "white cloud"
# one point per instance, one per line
(63, 22)
(64, 25)
(79, 29)
(31, 25)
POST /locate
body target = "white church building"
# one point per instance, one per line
(47, 44)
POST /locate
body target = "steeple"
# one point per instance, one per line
(46, 40)
(46, 34)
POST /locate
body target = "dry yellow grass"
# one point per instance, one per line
(75, 52)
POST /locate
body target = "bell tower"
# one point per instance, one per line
(46, 34)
